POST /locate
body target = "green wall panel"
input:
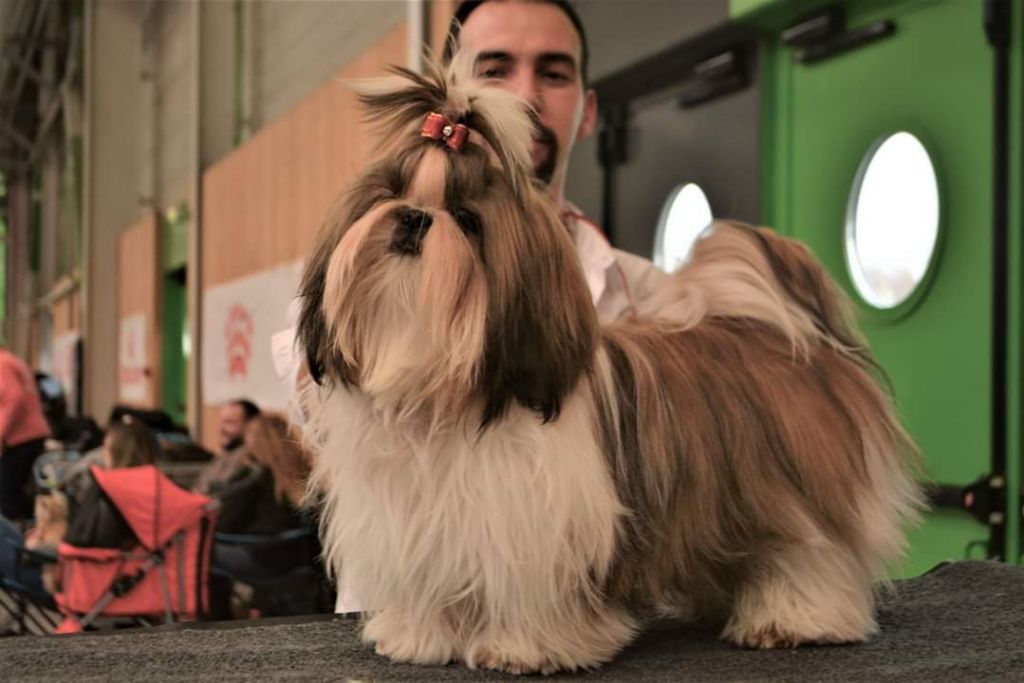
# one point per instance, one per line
(933, 77)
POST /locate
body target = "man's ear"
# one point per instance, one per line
(589, 120)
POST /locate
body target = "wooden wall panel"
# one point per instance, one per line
(265, 202)
(138, 283)
(208, 431)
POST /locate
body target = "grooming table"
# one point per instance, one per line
(961, 622)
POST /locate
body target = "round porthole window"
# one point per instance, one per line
(892, 221)
(685, 216)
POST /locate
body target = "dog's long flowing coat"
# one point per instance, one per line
(509, 483)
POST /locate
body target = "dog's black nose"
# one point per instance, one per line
(410, 229)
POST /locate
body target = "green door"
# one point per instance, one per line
(175, 356)
(931, 76)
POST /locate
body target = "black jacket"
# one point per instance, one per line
(249, 506)
(96, 523)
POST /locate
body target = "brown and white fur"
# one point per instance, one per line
(511, 484)
(51, 514)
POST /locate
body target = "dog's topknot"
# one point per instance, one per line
(398, 104)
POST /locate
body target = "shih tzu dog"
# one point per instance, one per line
(511, 484)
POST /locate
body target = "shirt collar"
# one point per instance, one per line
(596, 255)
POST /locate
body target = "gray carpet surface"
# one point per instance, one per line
(961, 622)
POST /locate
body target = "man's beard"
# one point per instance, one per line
(545, 170)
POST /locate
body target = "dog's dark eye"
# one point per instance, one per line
(468, 221)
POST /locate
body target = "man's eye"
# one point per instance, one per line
(556, 76)
(492, 72)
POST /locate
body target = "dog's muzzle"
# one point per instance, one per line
(410, 229)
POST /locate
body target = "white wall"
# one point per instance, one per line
(299, 44)
(216, 81)
(113, 61)
(621, 32)
(175, 102)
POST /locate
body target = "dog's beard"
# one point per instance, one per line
(446, 327)
(412, 324)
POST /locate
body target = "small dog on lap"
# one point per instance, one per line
(511, 484)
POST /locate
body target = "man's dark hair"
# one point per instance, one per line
(249, 409)
(467, 7)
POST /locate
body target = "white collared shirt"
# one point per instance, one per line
(618, 281)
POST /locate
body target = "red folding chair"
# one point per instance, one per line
(164, 577)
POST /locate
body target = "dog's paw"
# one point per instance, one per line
(773, 636)
(769, 638)
(518, 663)
(404, 650)
(572, 648)
(392, 637)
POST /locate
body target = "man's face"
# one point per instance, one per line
(533, 50)
(232, 426)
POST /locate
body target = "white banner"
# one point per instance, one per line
(133, 366)
(239, 319)
(65, 366)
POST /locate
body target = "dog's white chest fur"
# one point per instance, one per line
(513, 516)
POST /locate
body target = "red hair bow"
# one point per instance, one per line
(438, 127)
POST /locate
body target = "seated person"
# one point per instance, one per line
(262, 501)
(233, 459)
(267, 498)
(11, 543)
(96, 523)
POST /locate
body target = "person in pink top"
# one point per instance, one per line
(23, 431)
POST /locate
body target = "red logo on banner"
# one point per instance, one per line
(238, 334)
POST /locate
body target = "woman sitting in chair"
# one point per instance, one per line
(259, 505)
(96, 523)
(266, 498)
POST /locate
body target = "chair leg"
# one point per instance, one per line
(20, 601)
(49, 619)
(39, 623)
(9, 610)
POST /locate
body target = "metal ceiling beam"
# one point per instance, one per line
(31, 71)
(70, 72)
(15, 135)
(38, 21)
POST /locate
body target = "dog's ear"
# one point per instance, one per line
(314, 335)
(542, 327)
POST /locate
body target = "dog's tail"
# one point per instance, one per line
(741, 271)
(805, 281)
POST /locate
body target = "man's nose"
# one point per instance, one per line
(525, 85)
